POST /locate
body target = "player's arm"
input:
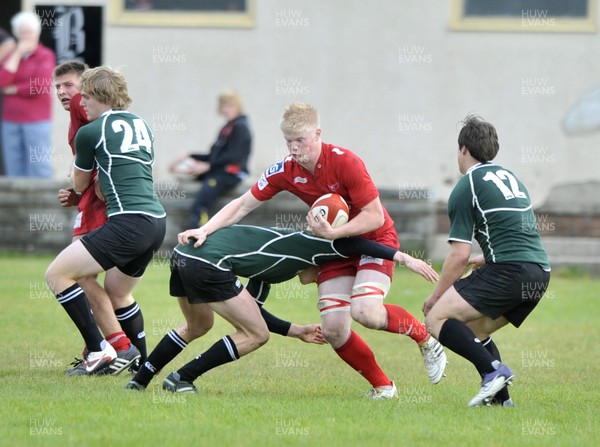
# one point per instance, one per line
(368, 219)
(81, 179)
(462, 223)
(68, 197)
(309, 334)
(230, 214)
(357, 245)
(84, 161)
(453, 268)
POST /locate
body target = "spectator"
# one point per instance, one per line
(7, 45)
(224, 166)
(26, 81)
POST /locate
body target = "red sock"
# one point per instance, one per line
(400, 321)
(119, 341)
(356, 353)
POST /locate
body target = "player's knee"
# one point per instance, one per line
(334, 311)
(366, 317)
(113, 291)
(51, 278)
(262, 337)
(88, 282)
(334, 333)
(197, 330)
(48, 275)
(433, 324)
(257, 338)
(367, 305)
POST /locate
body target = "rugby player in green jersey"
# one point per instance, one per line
(489, 204)
(92, 215)
(204, 279)
(120, 146)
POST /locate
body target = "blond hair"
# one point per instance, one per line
(300, 117)
(106, 86)
(230, 96)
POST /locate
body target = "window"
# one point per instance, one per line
(209, 13)
(524, 15)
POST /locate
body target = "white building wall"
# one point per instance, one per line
(390, 79)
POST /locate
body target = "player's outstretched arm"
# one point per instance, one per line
(311, 333)
(357, 245)
(417, 265)
(230, 214)
(452, 270)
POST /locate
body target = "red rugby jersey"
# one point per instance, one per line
(338, 170)
(78, 119)
(93, 210)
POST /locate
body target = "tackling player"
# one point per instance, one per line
(204, 279)
(120, 144)
(491, 205)
(348, 289)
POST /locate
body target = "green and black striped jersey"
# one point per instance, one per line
(121, 146)
(274, 255)
(492, 206)
(271, 255)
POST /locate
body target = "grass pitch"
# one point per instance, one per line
(291, 393)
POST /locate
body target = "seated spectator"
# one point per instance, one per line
(224, 166)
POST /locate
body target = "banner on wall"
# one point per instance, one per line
(73, 32)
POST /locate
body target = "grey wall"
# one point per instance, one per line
(389, 77)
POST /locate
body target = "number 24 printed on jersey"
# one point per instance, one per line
(142, 137)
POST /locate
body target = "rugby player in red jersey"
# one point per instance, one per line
(348, 289)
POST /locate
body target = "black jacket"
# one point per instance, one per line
(231, 151)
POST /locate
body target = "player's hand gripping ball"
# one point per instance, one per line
(333, 208)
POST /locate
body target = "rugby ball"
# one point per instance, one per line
(333, 208)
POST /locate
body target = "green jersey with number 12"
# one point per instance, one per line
(120, 144)
(491, 205)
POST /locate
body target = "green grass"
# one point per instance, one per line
(291, 393)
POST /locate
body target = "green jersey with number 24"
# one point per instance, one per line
(492, 206)
(120, 145)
